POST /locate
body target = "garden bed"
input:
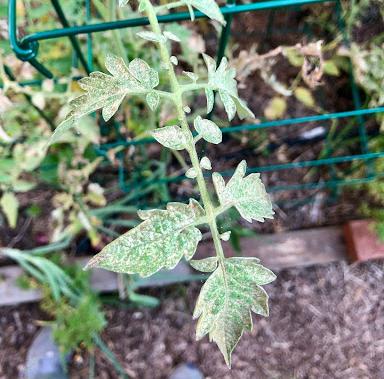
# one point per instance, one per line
(325, 322)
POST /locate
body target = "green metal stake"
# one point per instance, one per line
(355, 92)
(226, 32)
(89, 37)
(11, 76)
(74, 42)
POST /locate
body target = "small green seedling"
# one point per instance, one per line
(234, 289)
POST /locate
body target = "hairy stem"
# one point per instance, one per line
(178, 101)
(193, 87)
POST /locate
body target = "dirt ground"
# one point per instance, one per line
(325, 322)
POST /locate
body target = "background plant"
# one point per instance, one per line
(77, 317)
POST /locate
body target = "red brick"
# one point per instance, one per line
(362, 241)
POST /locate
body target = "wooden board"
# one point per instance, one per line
(295, 249)
(102, 281)
(276, 251)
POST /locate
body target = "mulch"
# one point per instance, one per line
(325, 322)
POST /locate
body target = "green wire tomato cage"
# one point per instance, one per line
(27, 49)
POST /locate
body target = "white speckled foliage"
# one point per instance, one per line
(165, 237)
(226, 300)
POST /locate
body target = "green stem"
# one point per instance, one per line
(164, 94)
(178, 101)
(194, 87)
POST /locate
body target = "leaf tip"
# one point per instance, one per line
(92, 263)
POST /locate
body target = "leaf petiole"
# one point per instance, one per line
(194, 87)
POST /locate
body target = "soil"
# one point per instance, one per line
(325, 322)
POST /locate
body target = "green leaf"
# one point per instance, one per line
(331, 68)
(222, 79)
(276, 108)
(22, 185)
(10, 205)
(226, 300)
(208, 130)
(170, 136)
(204, 265)
(208, 7)
(159, 242)
(304, 95)
(294, 57)
(153, 100)
(106, 92)
(122, 3)
(246, 193)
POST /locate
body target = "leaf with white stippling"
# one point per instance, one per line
(153, 100)
(205, 163)
(209, 94)
(64, 126)
(208, 7)
(10, 206)
(122, 3)
(142, 6)
(191, 173)
(171, 36)
(204, 265)
(222, 79)
(208, 130)
(160, 241)
(170, 136)
(225, 236)
(174, 60)
(191, 75)
(246, 193)
(151, 36)
(226, 300)
(106, 92)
